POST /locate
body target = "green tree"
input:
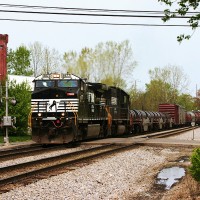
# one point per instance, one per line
(109, 80)
(196, 103)
(85, 63)
(158, 92)
(21, 92)
(113, 60)
(172, 75)
(70, 61)
(108, 62)
(51, 61)
(36, 53)
(79, 63)
(195, 167)
(137, 99)
(44, 59)
(182, 9)
(18, 62)
(187, 101)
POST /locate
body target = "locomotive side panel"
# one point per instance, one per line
(118, 102)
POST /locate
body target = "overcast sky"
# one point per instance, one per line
(152, 46)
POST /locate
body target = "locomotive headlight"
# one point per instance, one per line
(39, 114)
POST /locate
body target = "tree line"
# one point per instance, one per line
(109, 62)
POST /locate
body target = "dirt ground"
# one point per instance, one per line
(186, 189)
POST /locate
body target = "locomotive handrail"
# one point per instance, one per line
(109, 116)
(74, 111)
(30, 114)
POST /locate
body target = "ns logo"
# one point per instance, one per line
(52, 105)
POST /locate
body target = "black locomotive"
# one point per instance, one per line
(66, 108)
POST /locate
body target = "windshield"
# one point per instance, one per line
(44, 83)
(67, 83)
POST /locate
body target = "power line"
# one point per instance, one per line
(95, 23)
(77, 9)
(145, 14)
(87, 14)
(87, 9)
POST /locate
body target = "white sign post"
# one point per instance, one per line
(193, 124)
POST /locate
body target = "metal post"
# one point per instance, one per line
(6, 139)
(193, 133)
(193, 124)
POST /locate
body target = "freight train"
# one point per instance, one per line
(67, 108)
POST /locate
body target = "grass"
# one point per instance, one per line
(20, 138)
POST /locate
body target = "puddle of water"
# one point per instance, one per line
(169, 176)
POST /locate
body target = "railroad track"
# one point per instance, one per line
(36, 149)
(169, 132)
(15, 153)
(31, 171)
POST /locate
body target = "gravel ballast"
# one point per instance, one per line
(109, 178)
(120, 176)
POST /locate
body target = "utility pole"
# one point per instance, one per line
(8, 121)
(6, 139)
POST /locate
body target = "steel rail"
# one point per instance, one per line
(169, 133)
(17, 153)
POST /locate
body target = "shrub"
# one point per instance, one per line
(195, 167)
(21, 110)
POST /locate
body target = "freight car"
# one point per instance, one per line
(147, 121)
(66, 108)
(193, 116)
(177, 113)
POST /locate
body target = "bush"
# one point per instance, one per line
(195, 161)
(21, 110)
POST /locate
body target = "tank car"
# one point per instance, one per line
(190, 117)
(197, 117)
(193, 116)
(65, 108)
